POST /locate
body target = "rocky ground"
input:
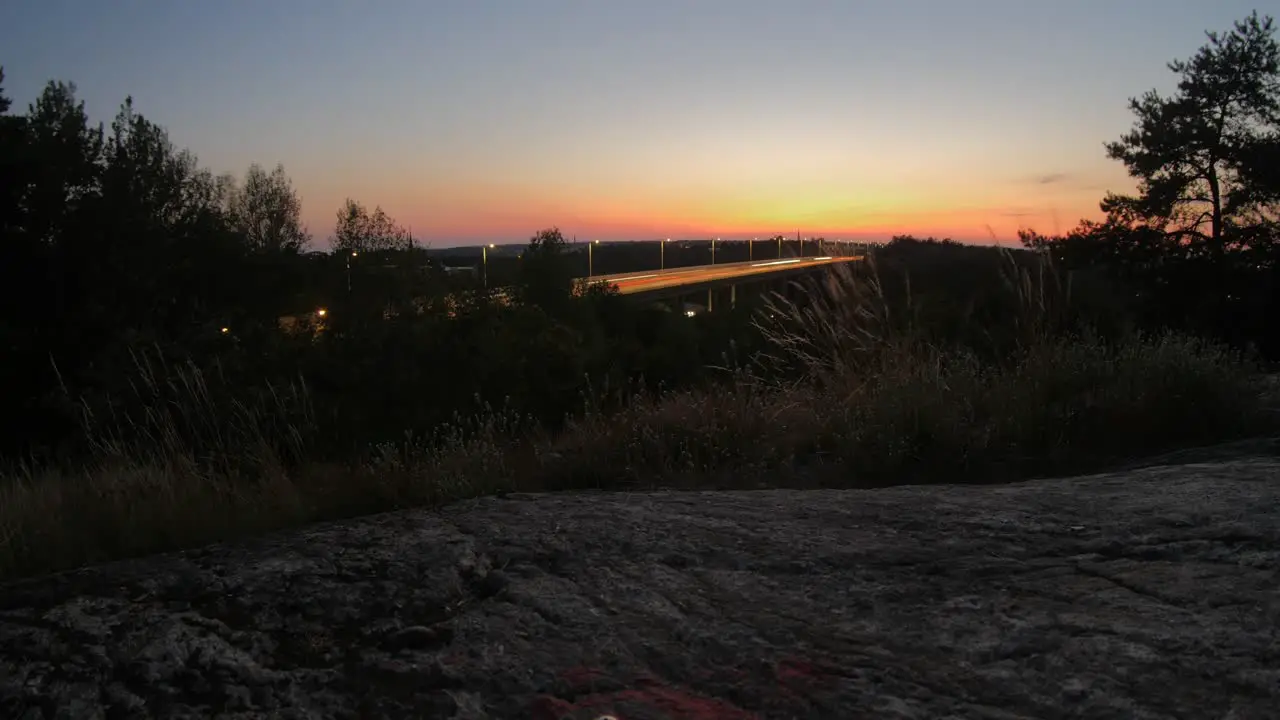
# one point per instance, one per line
(1148, 593)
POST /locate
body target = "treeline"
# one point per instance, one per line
(122, 261)
(128, 269)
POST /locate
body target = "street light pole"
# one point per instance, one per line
(484, 258)
(713, 250)
(590, 262)
(779, 247)
(750, 243)
(353, 254)
(662, 254)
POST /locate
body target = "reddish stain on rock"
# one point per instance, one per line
(647, 699)
(581, 677)
(546, 707)
(800, 678)
(795, 670)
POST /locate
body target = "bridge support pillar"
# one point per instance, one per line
(733, 297)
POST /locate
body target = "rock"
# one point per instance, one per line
(1147, 593)
(417, 637)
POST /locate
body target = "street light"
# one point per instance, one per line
(321, 312)
(484, 257)
(590, 270)
(779, 247)
(713, 250)
(353, 254)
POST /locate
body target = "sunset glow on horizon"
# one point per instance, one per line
(475, 121)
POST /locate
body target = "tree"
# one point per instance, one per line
(151, 255)
(64, 156)
(13, 170)
(546, 272)
(266, 209)
(1204, 157)
(358, 230)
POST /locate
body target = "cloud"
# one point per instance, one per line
(1015, 213)
(1052, 178)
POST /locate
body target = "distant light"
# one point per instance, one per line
(689, 313)
(226, 330)
(491, 245)
(322, 312)
(355, 254)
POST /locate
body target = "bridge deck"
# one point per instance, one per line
(702, 276)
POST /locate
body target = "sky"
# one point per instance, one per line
(475, 121)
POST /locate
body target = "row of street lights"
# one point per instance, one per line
(484, 259)
(662, 256)
(662, 247)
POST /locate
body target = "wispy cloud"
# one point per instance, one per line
(1052, 178)
(1015, 212)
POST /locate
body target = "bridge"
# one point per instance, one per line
(681, 282)
(703, 282)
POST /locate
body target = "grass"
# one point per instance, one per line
(871, 401)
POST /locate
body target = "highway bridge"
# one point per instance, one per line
(690, 287)
(704, 280)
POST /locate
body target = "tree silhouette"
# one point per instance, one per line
(13, 163)
(1196, 247)
(546, 272)
(1204, 157)
(358, 230)
(266, 209)
(69, 152)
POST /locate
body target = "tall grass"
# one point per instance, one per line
(197, 416)
(868, 397)
(852, 392)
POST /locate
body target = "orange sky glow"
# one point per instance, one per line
(485, 121)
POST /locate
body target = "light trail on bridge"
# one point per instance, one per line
(629, 283)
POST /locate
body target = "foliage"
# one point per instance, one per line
(360, 231)
(1199, 155)
(1196, 248)
(180, 369)
(546, 277)
(266, 210)
(875, 403)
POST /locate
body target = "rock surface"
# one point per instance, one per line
(1150, 593)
